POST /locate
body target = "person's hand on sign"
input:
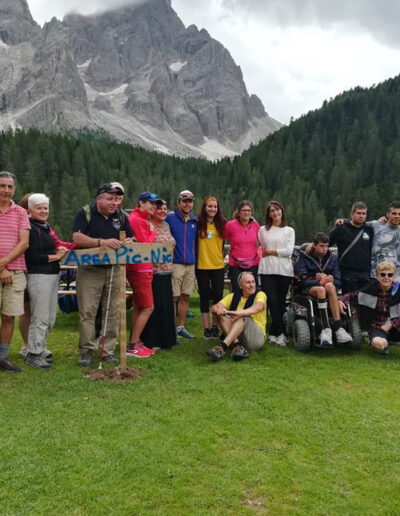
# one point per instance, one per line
(128, 240)
(114, 243)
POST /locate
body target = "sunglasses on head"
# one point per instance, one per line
(386, 274)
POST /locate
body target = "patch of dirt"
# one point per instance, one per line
(130, 374)
(256, 503)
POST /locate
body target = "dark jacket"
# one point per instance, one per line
(308, 265)
(41, 244)
(367, 301)
(359, 257)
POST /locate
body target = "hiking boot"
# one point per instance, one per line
(281, 341)
(207, 333)
(214, 332)
(86, 359)
(8, 365)
(37, 361)
(137, 350)
(325, 338)
(342, 337)
(216, 353)
(182, 332)
(239, 353)
(47, 354)
(272, 338)
(110, 359)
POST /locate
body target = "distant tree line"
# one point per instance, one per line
(317, 166)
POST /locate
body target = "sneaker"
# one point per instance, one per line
(137, 350)
(189, 314)
(239, 353)
(325, 338)
(110, 359)
(47, 354)
(385, 351)
(152, 351)
(8, 365)
(272, 338)
(37, 361)
(86, 359)
(23, 351)
(207, 333)
(214, 332)
(342, 337)
(281, 341)
(182, 332)
(216, 353)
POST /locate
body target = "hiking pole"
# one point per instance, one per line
(103, 338)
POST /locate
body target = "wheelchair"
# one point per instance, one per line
(303, 325)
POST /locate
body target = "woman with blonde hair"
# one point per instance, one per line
(378, 305)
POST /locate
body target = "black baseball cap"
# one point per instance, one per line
(112, 188)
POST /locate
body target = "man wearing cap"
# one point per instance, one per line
(14, 240)
(183, 226)
(140, 276)
(99, 226)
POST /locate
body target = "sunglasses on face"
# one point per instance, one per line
(386, 274)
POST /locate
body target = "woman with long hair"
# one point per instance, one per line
(244, 248)
(276, 269)
(210, 269)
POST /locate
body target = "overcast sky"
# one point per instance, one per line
(294, 54)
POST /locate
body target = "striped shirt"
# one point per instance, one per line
(12, 221)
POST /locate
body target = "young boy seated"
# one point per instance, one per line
(320, 273)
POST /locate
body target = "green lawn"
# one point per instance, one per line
(280, 433)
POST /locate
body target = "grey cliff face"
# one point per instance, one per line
(136, 72)
(16, 22)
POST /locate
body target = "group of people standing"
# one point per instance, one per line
(261, 267)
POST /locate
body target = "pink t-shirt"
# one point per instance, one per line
(11, 222)
(244, 251)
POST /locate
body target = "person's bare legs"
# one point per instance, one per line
(232, 329)
(331, 294)
(183, 307)
(140, 316)
(7, 329)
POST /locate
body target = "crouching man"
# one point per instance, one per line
(242, 318)
(320, 273)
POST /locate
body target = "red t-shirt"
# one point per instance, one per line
(12, 221)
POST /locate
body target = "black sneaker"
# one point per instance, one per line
(37, 361)
(216, 353)
(214, 332)
(239, 353)
(86, 359)
(110, 359)
(207, 333)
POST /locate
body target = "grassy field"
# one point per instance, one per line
(280, 433)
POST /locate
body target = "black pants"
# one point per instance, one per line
(234, 273)
(210, 283)
(276, 288)
(353, 280)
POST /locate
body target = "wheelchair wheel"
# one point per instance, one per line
(355, 331)
(286, 324)
(301, 335)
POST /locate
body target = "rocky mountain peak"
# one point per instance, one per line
(136, 72)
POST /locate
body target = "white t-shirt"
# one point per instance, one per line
(281, 240)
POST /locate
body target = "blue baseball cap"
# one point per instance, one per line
(148, 196)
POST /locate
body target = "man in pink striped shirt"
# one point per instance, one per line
(14, 240)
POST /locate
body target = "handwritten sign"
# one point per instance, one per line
(127, 254)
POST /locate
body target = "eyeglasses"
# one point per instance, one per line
(386, 274)
(245, 210)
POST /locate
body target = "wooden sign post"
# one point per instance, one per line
(122, 312)
(127, 254)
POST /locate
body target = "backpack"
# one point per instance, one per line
(88, 214)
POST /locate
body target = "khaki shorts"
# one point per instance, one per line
(252, 337)
(12, 295)
(183, 279)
